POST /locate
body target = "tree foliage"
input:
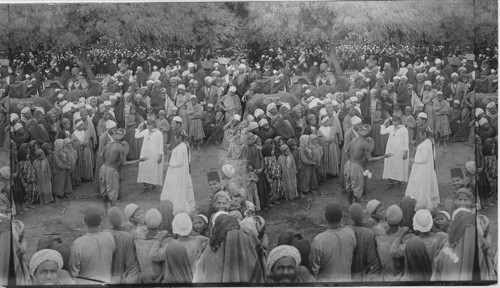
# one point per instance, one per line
(447, 22)
(218, 24)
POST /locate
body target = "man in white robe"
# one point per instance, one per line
(151, 170)
(396, 167)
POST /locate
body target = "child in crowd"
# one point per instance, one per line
(200, 225)
(409, 122)
(251, 188)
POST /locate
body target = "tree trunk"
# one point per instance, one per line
(334, 61)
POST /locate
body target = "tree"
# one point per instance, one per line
(446, 22)
(79, 26)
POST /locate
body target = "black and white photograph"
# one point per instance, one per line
(307, 143)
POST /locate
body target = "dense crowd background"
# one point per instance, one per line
(278, 152)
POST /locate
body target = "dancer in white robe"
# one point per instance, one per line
(178, 186)
(423, 180)
(151, 170)
(396, 167)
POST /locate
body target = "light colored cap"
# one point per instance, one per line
(422, 221)
(182, 224)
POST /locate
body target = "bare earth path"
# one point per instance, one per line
(305, 215)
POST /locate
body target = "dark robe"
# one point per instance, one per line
(365, 262)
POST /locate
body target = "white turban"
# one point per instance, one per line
(479, 112)
(454, 74)
(422, 115)
(110, 124)
(326, 119)
(228, 170)
(258, 112)
(252, 126)
(355, 120)
(438, 61)
(177, 119)
(482, 121)
(427, 83)
(280, 252)
(490, 105)
(208, 78)
(25, 110)
(45, 255)
(218, 213)
(263, 122)
(107, 102)
(190, 65)
(13, 117)
(232, 89)
(237, 117)
(181, 86)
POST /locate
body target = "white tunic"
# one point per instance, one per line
(423, 180)
(178, 186)
(395, 167)
(152, 147)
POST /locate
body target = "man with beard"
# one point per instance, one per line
(283, 266)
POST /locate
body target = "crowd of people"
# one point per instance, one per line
(155, 109)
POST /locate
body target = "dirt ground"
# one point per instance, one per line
(305, 215)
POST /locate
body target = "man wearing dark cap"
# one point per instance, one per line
(92, 253)
(37, 129)
(332, 250)
(366, 265)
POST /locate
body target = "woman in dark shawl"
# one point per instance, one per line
(166, 209)
(252, 152)
(231, 255)
(417, 262)
(178, 267)
(304, 248)
(18, 192)
(407, 205)
(460, 126)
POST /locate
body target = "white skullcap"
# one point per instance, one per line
(422, 115)
(326, 119)
(181, 86)
(208, 78)
(150, 82)
(308, 91)
(355, 120)
(454, 74)
(60, 96)
(110, 124)
(437, 61)
(25, 110)
(427, 83)
(432, 69)
(177, 119)
(353, 99)
(242, 66)
(237, 117)
(263, 122)
(232, 89)
(182, 224)
(258, 112)
(185, 73)
(396, 78)
(190, 65)
(107, 102)
(228, 170)
(210, 105)
(335, 103)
